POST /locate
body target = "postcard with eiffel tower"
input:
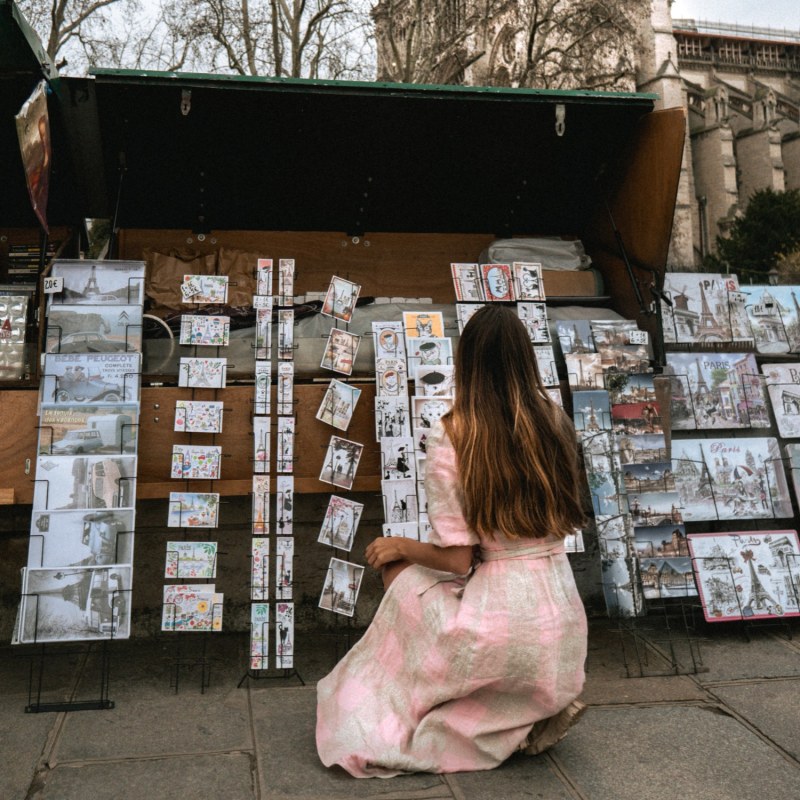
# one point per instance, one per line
(117, 283)
(700, 310)
(774, 314)
(747, 574)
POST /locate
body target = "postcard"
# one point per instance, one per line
(646, 448)
(284, 567)
(591, 410)
(467, 282)
(655, 508)
(341, 298)
(94, 329)
(605, 492)
(435, 381)
(191, 560)
(259, 568)
(201, 330)
(284, 635)
(649, 477)
(205, 289)
(392, 417)
(793, 457)
(338, 404)
(631, 388)
(573, 542)
(284, 503)
(286, 334)
(624, 358)
(68, 430)
(342, 584)
(389, 340)
(193, 510)
(774, 318)
(546, 364)
(423, 324)
(264, 276)
(285, 397)
(118, 283)
(740, 322)
(661, 541)
(341, 462)
(391, 377)
(637, 418)
(340, 351)
(400, 503)
(405, 530)
(66, 482)
(285, 444)
(340, 523)
(716, 390)
(192, 607)
(263, 383)
(575, 336)
(783, 386)
(259, 635)
(614, 535)
(285, 282)
(198, 416)
(617, 332)
(81, 538)
(667, 577)
(700, 310)
(260, 505)
(554, 393)
(397, 458)
(261, 445)
(90, 378)
(528, 281)
(263, 331)
(464, 312)
(196, 461)
(427, 411)
(748, 574)
(202, 373)
(497, 282)
(75, 604)
(534, 318)
(621, 587)
(425, 351)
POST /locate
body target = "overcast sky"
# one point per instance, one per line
(766, 13)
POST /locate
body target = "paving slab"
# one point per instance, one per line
(216, 776)
(668, 752)
(22, 740)
(732, 658)
(772, 706)
(285, 719)
(607, 691)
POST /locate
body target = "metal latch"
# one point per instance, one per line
(561, 113)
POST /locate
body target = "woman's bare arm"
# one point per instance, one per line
(383, 551)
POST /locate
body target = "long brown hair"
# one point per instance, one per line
(517, 451)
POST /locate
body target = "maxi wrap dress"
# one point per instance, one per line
(453, 672)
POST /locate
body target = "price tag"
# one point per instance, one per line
(53, 285)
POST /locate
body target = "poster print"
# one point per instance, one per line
(284, 502)
(392, 417)
(263, 383)
(467, 282)
(427, 411)
(340, 351)
(67, 430)
(90, 378)
(202, 373)
(284, 635)
(264, 276)
(205, 289)
(747, 574)
(497, 282)
(198, 416)
(716, 390)
(342, 585)
(546, 364)
(263, 331)
(700, 310)
(464, 312)
(534, 318)
(284, 566)
(193, 510)
(435, 381)
(99, 282)
(192, 607)
(206, 331)
(94, 329)
(285, 394)
(75, 604)
(774, 318)
(89, 482)
(191, 560)
(783, 386)
(285, 444)
(81, 538)
(400, 502)
(340, 299)
(259, 635)
(261, 444)
(391, 377)
(338, 404)
(389, 340)
(424, 351)
(196, 461)
(340, 523)
(528, 281)
(397, 458)
(341, 462)
(286, 334)
(259, 568)
(285, 295)
(423, 324)
(260, 505)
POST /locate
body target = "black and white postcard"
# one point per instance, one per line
(392, 417)
(284, 504)
(341, 462)
(90, 378)
(284, 635)
(284, 567)
(89, 482)
(94, 329)
(72, 430)
(467, 282)
(528, 281)
(398, 461)
(285, 393)
(400, 503)
(534, 318)
(342, 585)
(286, 334)
(118, 283)
(435, 381)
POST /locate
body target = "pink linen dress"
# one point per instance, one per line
(453, 672)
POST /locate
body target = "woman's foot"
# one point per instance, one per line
(548, 732)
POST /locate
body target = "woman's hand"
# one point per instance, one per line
(385, 550)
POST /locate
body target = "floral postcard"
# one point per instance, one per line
(591, 411)
(423, 324)
(259, 635)
(75, 604)
(716, 390)
(202, 373)
(196, 461)
(263, 332)
(435, 381)
(426, 351)
(261, 444)
(192, 607)
(663, 578)
(201, 330)
(341, 588)
(657, 477)
(286, 334)
(700, 311)
(467, 282)
(338, 404)
(497, 282)
(263, 383)
(284, 567)
(264, 273)
(546, 364)
(285, 444)
(81, 538)
(340, 523)
(341, 462)
(67, 482)
(94, 329)
(89, 282)
(400, 501)
(340, 299)
(284, 635)
(191, 560)
(205, 289)
(260, 505)
(783, 386)
(284, 504)
(70, 430)
(427, 411)
(528, 281)
(340, 351)
(397, 458)
(285, 282)
(285, 393)
(90, 378)
(774, 317)
(193, 510)
(198, 416)
(391, 377)
(464, 312)
(534, 318)
(259, 568)
(575, 336)
(389, 340)
(747, 574)
(661, 541)
(405, 530)
(392, 417)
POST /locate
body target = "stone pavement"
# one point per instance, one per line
(728, 732)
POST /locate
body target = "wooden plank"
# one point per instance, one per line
(7, 497)
(18, 439)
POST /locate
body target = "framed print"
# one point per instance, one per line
(340, 523)
(341, 462)
(342, 585)
(340, 300)
(340, 351)
(467, 282)
(528, 281)
(338, 404)
(497, 282)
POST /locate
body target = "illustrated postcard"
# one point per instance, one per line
(435, 381)
(464, 312)
(264, 276)
(285, 444)
(286, 334)
(205, 289)
(425, 324)
(425, 351)
(260, 505)
(793, 457)
(467, 282)
(338, 404)
(193, 510)
(405, 530)
(400, 502)
(389, 340)
(285, 394)
(118, 283)
(546, 364)
(340, 351)
(341, 462)
(192, 607)
(284, 635)
(202, 373)
(259, 635)
(392, 417)
(285, 295)
(191, 560)
(774, 317)
(261, 444)
(94, 329)
(340, 523)
(198, 416)
(263, 332)
(88, 482)
(201, 330)
(196, 461)
(783, 386)
(391, 377)
(284, 504)
(429, 410)
(342, 585)
(534, 318)
(528, 281)
(263, 383)
(700, 309)
(340, 300)
(397, 458)
(259, 569)
(284, 567)
(68, 430)
(90, 378)
(497, 282)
